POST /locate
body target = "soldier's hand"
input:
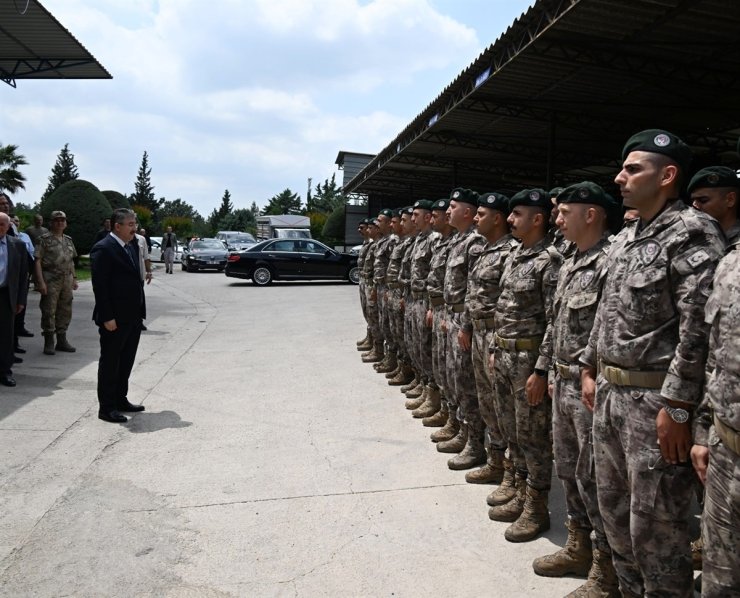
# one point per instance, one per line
(430, 318)
(42, 288)
(464, 339)
(492, 361)
(700, 461)
(402, 305)
(75, 286)
(19, 308)
(443, 326)
(588, 388)
(110, 325)
(535, 389)
(550, 389)
(674, 439)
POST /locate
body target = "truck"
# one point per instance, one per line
(283, 226)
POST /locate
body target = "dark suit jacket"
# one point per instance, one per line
(17, 272)
(116, 283)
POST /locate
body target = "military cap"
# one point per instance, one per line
(464, 195)
(534, 198)
(714, 176)
(386, 212)
(374, 222)
(587, 192)
(362, 222)
(397, 212)
(495, 201)
(657, 141)
(423, 204)
(407, 210)
(555, 191)
(58, 214)
(441, 204)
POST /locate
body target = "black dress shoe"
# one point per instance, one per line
(130, 407)
(17, 359)
(19, 350)
(113, 417)
(26, 333)
(7, 380)
(143, 327)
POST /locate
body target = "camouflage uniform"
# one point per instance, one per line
(465, 248)
(406, 346)
(528, 284)
(558, 241)
(57, 257)
(435, 291)
(395, 294)
(361, 266)
(477, 319)
(420, 334)
(733, 233)
(573, 311)
(371, 305)
(721, 519)
(382, 254)
(649, 335)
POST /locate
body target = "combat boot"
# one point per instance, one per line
(439, 419)
(375, 355)
(697, 548)
(392, 374)
(430, 406)
(473, 453)
(63, 344)
(507, 489)
(413, 384)
(366, 346)
(602, 579)
(416, 402)
(365, 339)
(456, 444)
(404, 376)
(572, 559)
(415, 392)
(449, 430)
(512, 510)
(492, 472)
(390, 364)
(534, 520)
(49, 344)
(382, 361)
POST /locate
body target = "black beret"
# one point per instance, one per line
(590, 193)
(386, 212)
(363, 222)
(397, 212)
(555, 191)
(374, 222)
(441, 204)
(533, 198)
(464, 195)
(714, 176)
(423, 204)
(495, 201)
(657, 141)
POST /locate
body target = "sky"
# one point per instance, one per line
(253, 96)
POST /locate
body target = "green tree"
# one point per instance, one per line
(286, 202)
(11, 179)
(327, 197)
(254, 208)
(85, 206)
(143, 216)
(182, 226)
(143, 189)
(333, 232)
(116, 200)
(63, 171)
(179, 208)
(241, 220)
(226, 207)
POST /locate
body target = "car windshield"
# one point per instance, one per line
(207, 244)
(242, 238)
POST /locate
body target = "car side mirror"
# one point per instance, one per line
(327, 253)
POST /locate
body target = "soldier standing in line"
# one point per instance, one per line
(585, 212)
(382, 255)
(716, 427)
(649, 343)
(366, 343)
(715, 190)
(37, 229)
(558, 241)
(371, 307)
(521, 368)
(55, 280)
(436, 311)
(478, 325)
(462, 397)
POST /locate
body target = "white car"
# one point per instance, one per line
(156, 255)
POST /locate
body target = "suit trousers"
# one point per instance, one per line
(7, 336)
(117, 355)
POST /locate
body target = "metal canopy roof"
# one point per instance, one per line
(34, 45)
(553, 100)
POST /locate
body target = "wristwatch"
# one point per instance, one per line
(678, 415)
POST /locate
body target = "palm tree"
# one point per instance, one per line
(11, 179)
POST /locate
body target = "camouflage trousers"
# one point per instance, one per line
(526, 429)
(462, 392)
(384, 317)
(484, 387)
(56, 305)
(371, 313)
(363, 298)
(439, 349)
(421, 340)
(644, 502)
(572, 425)
(395, 321)
(721, 524)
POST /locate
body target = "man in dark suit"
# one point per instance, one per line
(13, 293)
(119, 310)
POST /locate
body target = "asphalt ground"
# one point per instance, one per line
(269, 462)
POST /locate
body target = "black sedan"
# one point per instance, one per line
(202, 254)
(292, 259)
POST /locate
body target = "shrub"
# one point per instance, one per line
(117, 200)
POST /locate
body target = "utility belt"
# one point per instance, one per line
(394, 285)
(456, 308)
(418, 295)
(729, 436)
(483, 323)
(531, 343)
(436, 301)
(567, 371)
(621, 377)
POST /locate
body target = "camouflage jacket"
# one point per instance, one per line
(421, 260)
(651, 315)
(363, 253)
(574, 304)
(404, 276)
(559, 242)
(438, 264)
(527, 289)
(368, 261)
(722, 313)
(57, 255)
(484, 281)
(394, 261)
(382, 255)
(733, 233)
(465, 249)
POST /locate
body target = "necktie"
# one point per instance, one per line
(130, 250)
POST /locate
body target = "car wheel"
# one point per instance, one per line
(193, 268)
(262, 276)
(354, 275)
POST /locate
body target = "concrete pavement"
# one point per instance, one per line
(269, 462)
